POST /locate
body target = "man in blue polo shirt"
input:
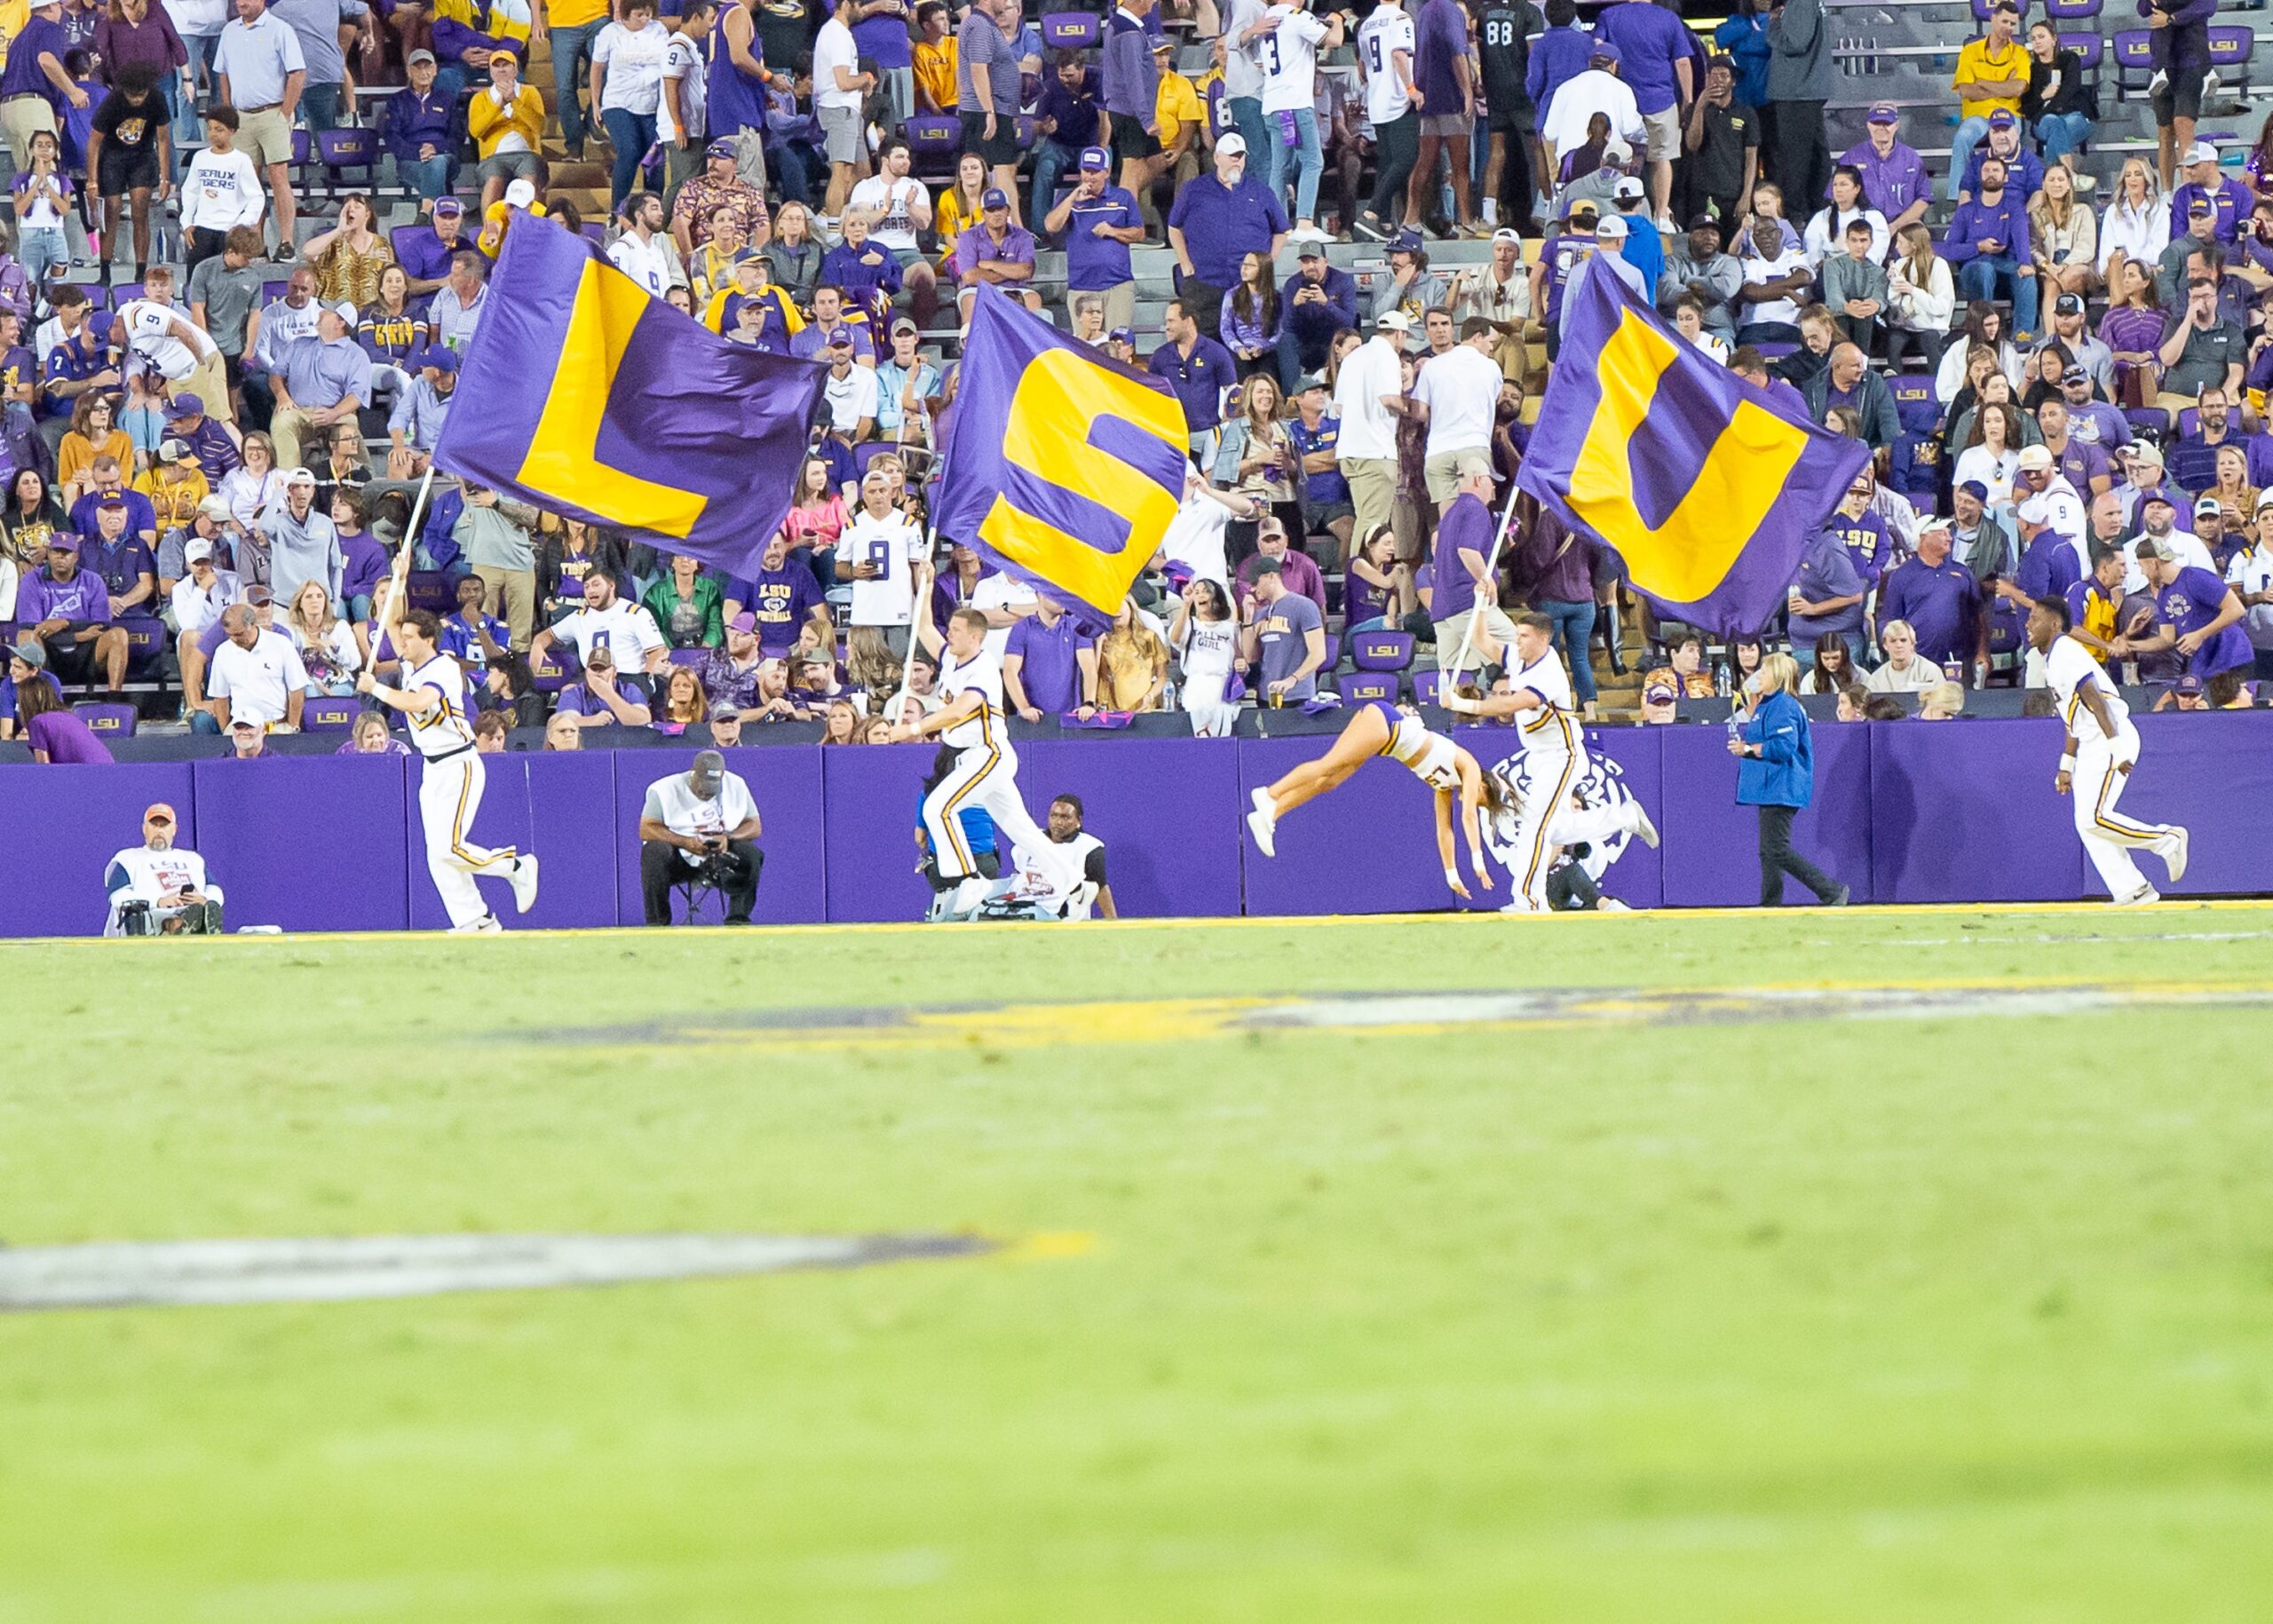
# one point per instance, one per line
(424, 251)
(1218, 220)
(1942, 601)
(1197, 370)
(1894, 181)
(1097, 221)
(1050, 666)
(1318, 302)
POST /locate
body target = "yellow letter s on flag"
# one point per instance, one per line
(1060, 397)
(1736, 481)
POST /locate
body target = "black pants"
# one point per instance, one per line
(1801, 157)
(1396, 146)
(1512, 186)
(734, 872)
(1572, 890)
(1204, 304)
(200, 244)
(1777, 859)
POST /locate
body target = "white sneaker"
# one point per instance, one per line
(523, 880)
(1642, 826)
(1665, 224)
(1263, 823)
(2160, 83)
(2138, 899)
(2174, 857)
(486, 925)
(968, 895)
(1522, 905)
(1611, 905)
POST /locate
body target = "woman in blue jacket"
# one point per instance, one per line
(1775, 772)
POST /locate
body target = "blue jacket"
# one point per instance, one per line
(1783, 774)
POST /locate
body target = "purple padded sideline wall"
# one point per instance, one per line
(67, 821)
(1712, 849)
(308, 842)
(785, 781)
(568, 794)
(1966, 810)
(2214, 774)
(1628, 756)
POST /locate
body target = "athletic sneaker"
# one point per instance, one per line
(1611, 905)
(1841, 899)
(969, 894)
(2160, 83)
(1263, 823)
(2137, 899)
(1522, 905)
(2175, 857)
(484, 926)
(523, 879)
(1370, 227)
(1642, 826)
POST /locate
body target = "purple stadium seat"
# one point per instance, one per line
(866, 452)
(2089, 49)
(1382, 651)
(270, 292)
(432, 590)
(689, 656)
(341, 151)
(1069, 30)
(125, 293)
(1363, 686)
(2133, 67)
(2149, 421)
(2189, 422)
(548, 670)
(1914, 402)
(1981, 10)
(1428, 684)
(397, 236)
(328, 715)
(597, 230)
(108, 721)
(1333, 654)
(2229, 48)
(933, 142)
(144, 640)
(2071, 10)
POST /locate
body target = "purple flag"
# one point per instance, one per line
(586, 396)
(1062, 467)
(1710, 489)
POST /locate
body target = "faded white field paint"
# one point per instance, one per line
(129, 1273)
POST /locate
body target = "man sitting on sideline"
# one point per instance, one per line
(701, 825)
(157, 889)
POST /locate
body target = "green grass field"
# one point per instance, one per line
(1716, 1312)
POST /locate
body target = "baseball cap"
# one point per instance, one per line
(1310, 248)
(1603, 50)
(216, 510)
(111, 499)
(1885, 113)
(1263, 566)
(2199, 205)
(1308, 382)
(30, 652)
(344, 311)
(2069, 304)
(994, 198)
(2002, 119)
(2145, 451)
(449, 206)
(1396, 320)
(1403, 243)
(1626, 187)
(1611, 225)
(1616, 151)
(238, 723)
(2156, 498)
(1704, 222)
(1232, 142)
(1120, 335)
(62, 541)
(2034, 459)
(158, 812)
(257, 594)
(1508, 234)
(420, 55)
(2149, 548)
(720, 709)
(744, 622)
(438, 356)
(1657, 690)
(2189, 686)
(2035, 510)
(521, 194)
(2076, 375)
(720, 149)
(196, 548)
(184, 406)
(2201, 151)
(2208, 505)
(1976, 489)
(171, 451)
(905, 324)
(300, 476)
(1094, 158)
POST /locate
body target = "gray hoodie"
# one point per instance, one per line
(1799, 68)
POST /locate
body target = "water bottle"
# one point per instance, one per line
(1721, 681)
(1736, 730)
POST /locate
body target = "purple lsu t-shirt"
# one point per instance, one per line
(1441, 40)
(66, 739)
(2190, 603)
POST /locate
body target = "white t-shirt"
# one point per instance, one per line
(511, 140)
(625, 629)
(673, 803)
(891, 223)
(1373, 371)
(2068, 669)
(852, 397)
(139, 875)
(683, 63)
(1208, 649)
(1757, 272)
(1462, 390)
(982, 673)
(1000, 590)
(894, 544)
(648, 263)
(1580, 98)
(635, 66)
(1381, 37)
(1289, 57)
(257, 681)
(834, 47)
(150, 334)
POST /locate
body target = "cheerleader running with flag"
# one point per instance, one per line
(1379, 728)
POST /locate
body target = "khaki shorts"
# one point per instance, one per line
(265, 138)
(1443, 471)
(1447, 124)
(1664, 132)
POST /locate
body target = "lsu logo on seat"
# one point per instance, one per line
(1092, 471)
(1714, 475)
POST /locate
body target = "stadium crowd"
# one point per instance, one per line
(213, 440)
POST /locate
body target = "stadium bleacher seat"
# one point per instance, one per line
(1428, 684)
(107, 721)
(1359, 686)
(328, 715)
(1382, 651)
(1070, 30)
(548, 670)
(433, 591)
(689, 656)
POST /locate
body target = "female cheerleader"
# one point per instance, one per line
(1379, 728)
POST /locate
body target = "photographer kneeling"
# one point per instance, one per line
(700, 825)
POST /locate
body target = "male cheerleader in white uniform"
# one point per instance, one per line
(2096, 761)
(984, 773)
(1555, 754)
(432, 696)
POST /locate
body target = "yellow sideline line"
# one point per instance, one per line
(1878, 910)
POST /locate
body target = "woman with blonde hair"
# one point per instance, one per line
(684, 704)
(327, 644)
(1944, 701)
(2136, 225)
(841, 725)
(2063, 237)
(1257, 459)
(1132, 663)
(2235, 494)
(1775, 773)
